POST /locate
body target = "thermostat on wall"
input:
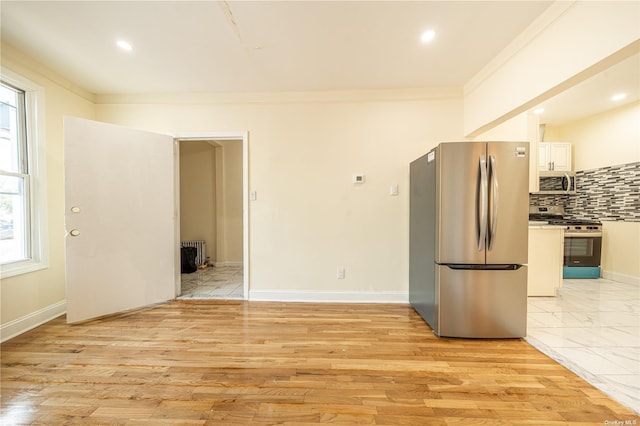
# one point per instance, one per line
(358, 178)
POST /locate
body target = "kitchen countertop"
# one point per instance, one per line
(543, 225)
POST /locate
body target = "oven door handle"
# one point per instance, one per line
(578, 234)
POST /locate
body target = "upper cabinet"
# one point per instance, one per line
(554, 157)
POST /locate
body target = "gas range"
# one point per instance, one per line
(582, 241)
(554, 215)
(577, 226)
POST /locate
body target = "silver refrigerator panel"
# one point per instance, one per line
(457, 209)
(481, 303)
(421, 236)
(508, 215)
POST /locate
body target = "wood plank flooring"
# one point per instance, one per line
(200, 362)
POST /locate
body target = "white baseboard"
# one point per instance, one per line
(329, 297)
(621, 278)
(32, 320)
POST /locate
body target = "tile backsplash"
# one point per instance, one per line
(607, 193)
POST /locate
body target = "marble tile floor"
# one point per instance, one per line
(592, 327)
(218, 282)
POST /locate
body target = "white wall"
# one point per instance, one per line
(309, 218)
(30, 298)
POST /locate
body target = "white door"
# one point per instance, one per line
(119, 218)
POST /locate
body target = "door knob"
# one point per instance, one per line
(74, 232)
(75, 209)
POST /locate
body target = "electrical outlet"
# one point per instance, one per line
(340, 273)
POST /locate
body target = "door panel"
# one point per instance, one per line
(456, 218)
(510, 233)
(119, 201)
(481, 303)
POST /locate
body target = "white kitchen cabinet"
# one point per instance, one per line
(546, 251)
(554, 157)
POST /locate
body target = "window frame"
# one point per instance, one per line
(36, 192)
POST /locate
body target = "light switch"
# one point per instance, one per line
(253, 195)
(394, 189)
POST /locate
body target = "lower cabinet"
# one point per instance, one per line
(546, 251)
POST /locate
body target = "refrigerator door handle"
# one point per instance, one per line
(493, 175)
(482, 200)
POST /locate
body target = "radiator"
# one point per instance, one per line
(200, 245)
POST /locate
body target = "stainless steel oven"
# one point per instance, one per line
(582, 241)
(582, 248)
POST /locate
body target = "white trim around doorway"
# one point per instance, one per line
(202, 136)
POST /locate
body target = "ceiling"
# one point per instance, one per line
(264, 46)
(593, 96)
(274, 46)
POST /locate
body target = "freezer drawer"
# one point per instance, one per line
(481, 303)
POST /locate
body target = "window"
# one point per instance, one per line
(23, 245)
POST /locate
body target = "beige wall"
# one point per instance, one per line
(309, 218)
(602, 140)
(621, 251)
(229, 172)
(608, 139)
(30, 293)
(211, 197)
(198, 194)
(567, 44)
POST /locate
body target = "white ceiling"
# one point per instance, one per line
(594, 95)
(272, 46)
(264, 46)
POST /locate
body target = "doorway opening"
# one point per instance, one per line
(212, 217)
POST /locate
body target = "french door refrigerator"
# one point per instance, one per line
(469, 211)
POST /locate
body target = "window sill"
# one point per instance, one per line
(20, 268)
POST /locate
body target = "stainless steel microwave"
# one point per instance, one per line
(560, 183)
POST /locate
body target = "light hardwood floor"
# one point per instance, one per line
(236, 362)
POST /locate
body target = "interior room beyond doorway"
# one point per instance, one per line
(211, 212)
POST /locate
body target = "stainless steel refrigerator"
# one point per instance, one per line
(469, 208)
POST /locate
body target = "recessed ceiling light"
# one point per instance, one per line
(427, 36)
(124, 45)
(538, 111)
(618, 97)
